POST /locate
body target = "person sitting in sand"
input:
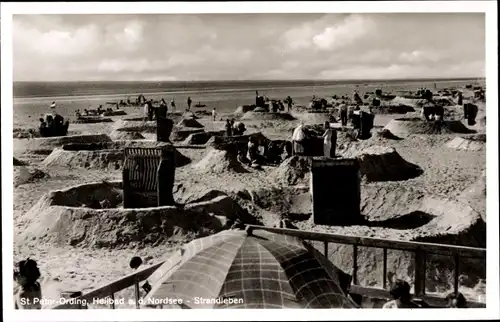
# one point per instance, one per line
(400, 292)
(298, 138)
(238, 128)
(229, 128)
(253, 150)
(26, 275)
(456, 301)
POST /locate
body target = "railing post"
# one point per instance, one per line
(112, 296)
(137, 294)
(384, 280)
(355, 264)
(326, 249)
(457, 273)
(420, 273)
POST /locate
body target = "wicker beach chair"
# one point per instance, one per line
(148, 177)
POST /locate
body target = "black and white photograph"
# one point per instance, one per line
(250, 156)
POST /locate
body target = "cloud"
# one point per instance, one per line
(352, 28)
(247, 46)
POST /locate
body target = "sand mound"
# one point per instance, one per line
(312, 118)
(86, 216)
(267, 116)
(124, 135)
(46, 145)
(219, 161)
(181, 134)
(475, 196)
(243, 109)
(92, 120)
(23, 175)
(419, 126)
(189, 122)
(468, 143)
(99, 159)
(378, 163)
(386, 134)
(189, 115)
(135, 126)
(293, 171)
(111, 157)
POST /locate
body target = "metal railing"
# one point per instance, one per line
(421, 250)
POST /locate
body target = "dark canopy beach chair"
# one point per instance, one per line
(148, 177)
(164, 127)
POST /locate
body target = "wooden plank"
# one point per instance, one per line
(439, 249)
(432, 300)
(355, 264)
(117, 285)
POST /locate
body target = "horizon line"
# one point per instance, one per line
(256, 80)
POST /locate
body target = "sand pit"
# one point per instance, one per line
(108, 155)
(181, 134)
(393, 108)
(472, 143)
(189, 122)
(197, 138)
(266, 116)
(25, 174)
(419, 126)
(220, 161)
(475, 196)
(46, 145)
(125, 135)
(17, 162)
(89, 216)
(378, 163)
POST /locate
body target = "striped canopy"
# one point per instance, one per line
(236, 269)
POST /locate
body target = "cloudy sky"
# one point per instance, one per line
(247, 46)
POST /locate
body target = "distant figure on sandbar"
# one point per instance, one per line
(172, 105)
(329, 141)
(456, 301)
(460, 98)
(229, 128)
(189, 101)
(299, 139)
(26, 275)
(214, 114)
(400, 292)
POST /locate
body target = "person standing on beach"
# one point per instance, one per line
(343, 114)
(146, 111)
(289, 102)
(189, 101)
(172, 104)
(298, 139)
(229, 128)
(214, 114)
(329, 141)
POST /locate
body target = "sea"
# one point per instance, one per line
(32, 99)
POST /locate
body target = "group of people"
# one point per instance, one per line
(402, 299)
(53, 125)
(302, 140)
(276, 105)
(234, 128)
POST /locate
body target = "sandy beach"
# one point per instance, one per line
(267, 194)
